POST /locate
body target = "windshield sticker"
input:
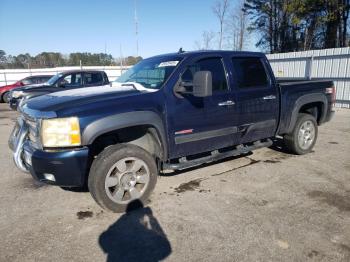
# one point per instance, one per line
(168, 63)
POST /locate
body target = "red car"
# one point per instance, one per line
(30, 80)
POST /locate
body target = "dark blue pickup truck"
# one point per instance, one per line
(171, 111)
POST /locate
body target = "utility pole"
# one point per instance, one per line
(104, 59)
(121, 59)
(136, 29)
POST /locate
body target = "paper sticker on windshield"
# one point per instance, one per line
(168, 63)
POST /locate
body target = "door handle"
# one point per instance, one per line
(270, 97)
(226, 103)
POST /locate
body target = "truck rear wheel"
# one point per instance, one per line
(120, 174)
(304, 135)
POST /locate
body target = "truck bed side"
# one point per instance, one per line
(311, 97)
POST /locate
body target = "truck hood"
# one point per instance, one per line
(35, 86)
(81, 96)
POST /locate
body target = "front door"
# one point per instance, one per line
(202, 124)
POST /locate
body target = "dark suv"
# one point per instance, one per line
(61, 81)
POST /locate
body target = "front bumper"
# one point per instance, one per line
(67, 167)
(60, 167)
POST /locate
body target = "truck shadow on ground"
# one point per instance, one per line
(135, 236)
(279, 146)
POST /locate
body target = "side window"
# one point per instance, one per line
(44, 79)
(71, 80)
(105, 78)
(215, 66)
(93, 79)
(249, 72)
(36, 80)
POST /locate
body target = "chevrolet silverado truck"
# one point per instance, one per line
(168, 112)
(62, 81)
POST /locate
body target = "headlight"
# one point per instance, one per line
(17, 94)
(60, 132)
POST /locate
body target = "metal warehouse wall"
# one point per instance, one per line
(331, 64)
(9, 76)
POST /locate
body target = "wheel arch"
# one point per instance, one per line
(144, 126)
(307, 104)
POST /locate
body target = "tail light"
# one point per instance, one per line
(331, 91)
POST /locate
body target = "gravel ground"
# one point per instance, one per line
(265, 206)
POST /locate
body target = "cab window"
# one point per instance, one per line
(215, 66)
(249, 72)
(93, 79)
(71, 80)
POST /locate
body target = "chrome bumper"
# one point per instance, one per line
(16, 141)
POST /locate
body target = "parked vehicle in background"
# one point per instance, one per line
(62, 81)
(30, 80)
(171, 111)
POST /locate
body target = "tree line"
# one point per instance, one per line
(295, 25)
(279, 25)
(55, 59)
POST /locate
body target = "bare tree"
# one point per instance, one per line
(235, 30)
(220, 9)
(206, 41)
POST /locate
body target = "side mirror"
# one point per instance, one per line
(61, 84)
(202, 84)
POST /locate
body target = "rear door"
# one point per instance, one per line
(256, 97)
(202, 124)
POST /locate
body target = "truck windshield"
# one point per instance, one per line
(53, 79)
(150, 73)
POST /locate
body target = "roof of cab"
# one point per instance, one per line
(210, 52)
(80, 71)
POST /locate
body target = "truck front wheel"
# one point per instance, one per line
(120, 174)
(304, 135)
(6, 97)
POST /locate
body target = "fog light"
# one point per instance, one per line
(50, 177)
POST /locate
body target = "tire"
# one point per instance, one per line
(117, 172)
(5, 97)
(304, 135)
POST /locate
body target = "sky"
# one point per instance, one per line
(66, 26)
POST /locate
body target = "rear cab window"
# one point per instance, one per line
(250, 72)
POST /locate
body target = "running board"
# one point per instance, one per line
(216, 155)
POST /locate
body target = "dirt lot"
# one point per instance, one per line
(267, 206)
